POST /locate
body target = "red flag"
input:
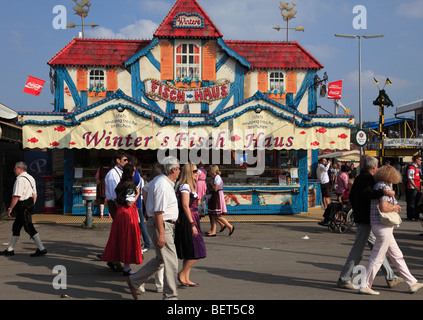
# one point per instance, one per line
(335, 90)
(34, 86)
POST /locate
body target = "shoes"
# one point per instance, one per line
(210, 235)
(193, 285)
(127, 273)
(368, 291)
(144, 250)
(395, 282)
(112, 266)
(232, 231)
(183, 284)
(221, 230)
(323, 223)
(7, 253)
(132, 289)
(38, 253)
(415, 287)
(347, 285)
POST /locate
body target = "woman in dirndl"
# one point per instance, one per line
(188, 237)
(124, 240)
(217, 203)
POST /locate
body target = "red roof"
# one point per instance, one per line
(277, 55)
(187, 8)
(98, 52)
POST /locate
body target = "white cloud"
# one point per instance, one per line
(412, 9)
(142, 29)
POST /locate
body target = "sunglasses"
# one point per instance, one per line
(124, 160)
(194, 171)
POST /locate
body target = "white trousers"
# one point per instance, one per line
(386, 244)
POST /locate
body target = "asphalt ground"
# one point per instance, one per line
(260, 262)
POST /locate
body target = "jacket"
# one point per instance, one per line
(362, 192)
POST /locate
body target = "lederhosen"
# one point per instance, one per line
(24, 210)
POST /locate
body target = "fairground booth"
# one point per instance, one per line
(247, 106)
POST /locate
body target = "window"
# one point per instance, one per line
(97, 79)
(188, 61)
(276, 80)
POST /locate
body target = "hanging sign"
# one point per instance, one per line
(34, 86)
(335, 90)
(167, 92)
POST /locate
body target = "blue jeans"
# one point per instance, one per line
(143, 229)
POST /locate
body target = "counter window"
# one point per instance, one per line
(97, 79)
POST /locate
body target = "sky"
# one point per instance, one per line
(28, 40)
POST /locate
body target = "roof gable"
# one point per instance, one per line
(187, 19)
(98, 52)
(272, 54)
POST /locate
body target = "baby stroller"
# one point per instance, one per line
(339, 216)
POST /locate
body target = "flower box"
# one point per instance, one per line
(100, 94)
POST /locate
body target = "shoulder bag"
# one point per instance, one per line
(389, 218)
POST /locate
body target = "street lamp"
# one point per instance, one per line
(353, 36)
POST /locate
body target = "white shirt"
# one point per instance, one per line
(161, 197)
(23, 188)
(322, 173)
(112, 180)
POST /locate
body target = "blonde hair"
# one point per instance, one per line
(215, 168)
(187, 176)
(388, 174)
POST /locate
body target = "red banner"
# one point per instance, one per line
(335, 90)
(34, 86)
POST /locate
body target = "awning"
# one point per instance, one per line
(387, 122)
(123, 123)
(412, 106)
(7, 113)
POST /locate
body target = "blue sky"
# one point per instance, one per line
(28, 40)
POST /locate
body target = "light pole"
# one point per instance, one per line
(353, 36)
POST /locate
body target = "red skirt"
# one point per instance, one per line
(124, 242)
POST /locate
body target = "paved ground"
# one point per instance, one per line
(260, 261)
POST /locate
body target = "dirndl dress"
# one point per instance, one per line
(216, 203)
(189, 247)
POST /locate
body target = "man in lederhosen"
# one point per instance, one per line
(23, 200)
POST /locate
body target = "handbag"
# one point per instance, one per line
(389, 218)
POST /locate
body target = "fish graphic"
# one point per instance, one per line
(40, 131)
(343, 136)
(332, 142)
(315, 143)
(33, 140)
(54, 144)
(60, 129)
(302, 132)
(236, 138)
(321, 130)
(72, 143)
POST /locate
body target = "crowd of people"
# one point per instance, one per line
(369, 193)
(162, 212)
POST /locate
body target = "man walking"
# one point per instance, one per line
(23, 201)
(162, 212)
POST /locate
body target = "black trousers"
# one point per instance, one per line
(412, 198)
(24, 210)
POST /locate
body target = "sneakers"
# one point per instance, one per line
(347, 285)
(7, 253)
(415, 287)
(38, 253)
(395, 282)
(368, 291)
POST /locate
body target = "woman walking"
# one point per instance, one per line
(385, 243)
(124, 240)
(217, 203)
(188, 237)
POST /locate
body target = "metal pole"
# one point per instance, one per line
(359, 88)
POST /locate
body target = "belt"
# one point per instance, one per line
(170, 221)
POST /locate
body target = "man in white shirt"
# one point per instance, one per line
(112, 180)
(323, 176)
(23, 201)
(162, 211)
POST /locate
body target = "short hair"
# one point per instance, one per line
(119, 155)
(367, 163)
(168, 164)
(22, 165)
(388, 174)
